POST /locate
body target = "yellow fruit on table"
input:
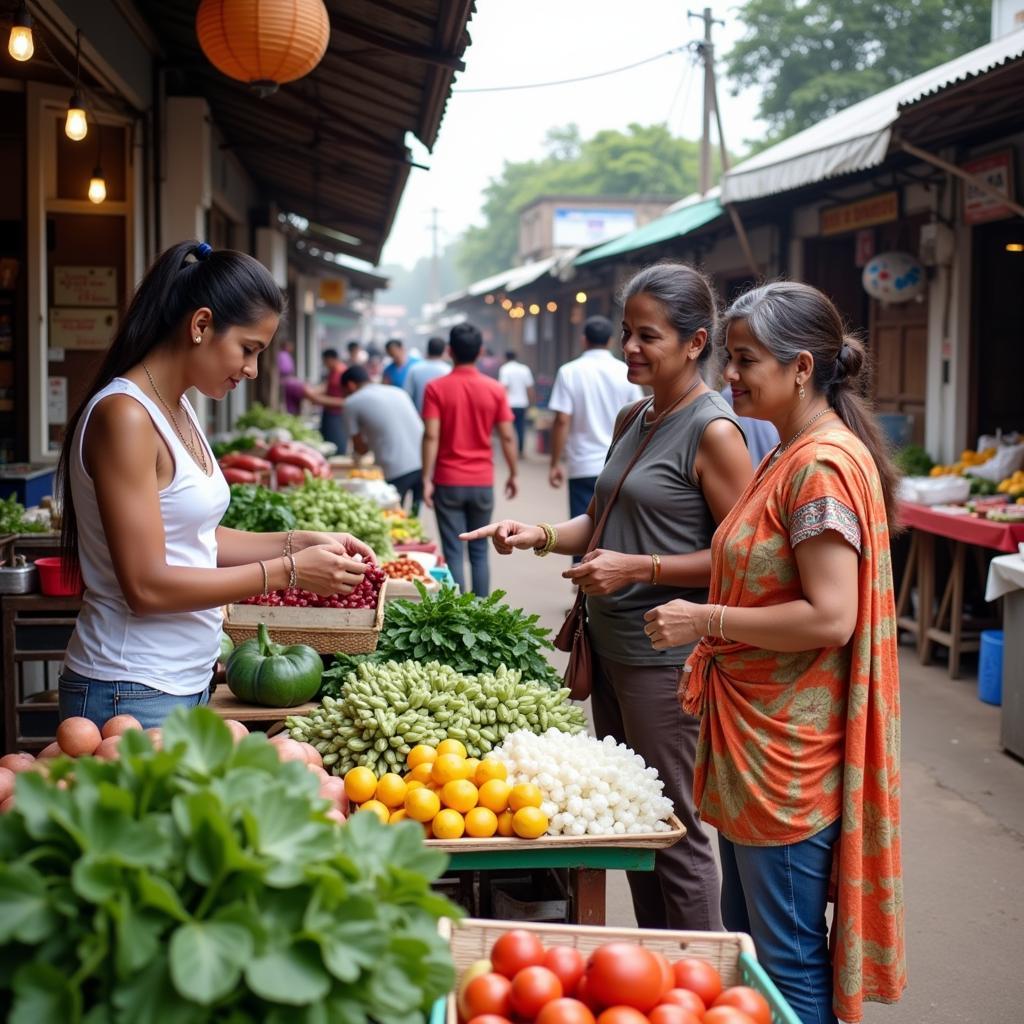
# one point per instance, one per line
(490, 768)
(360, 784)
(376, 807)
(472, 763)
(421, 773)
(448, 824)
(397, 816)
(505, 824)
(460, 795)
(391, 790)
(481, 823)
(494, 794)
(524, 794)
(529, 822)
(448, 767)
(420, 754)
(451, 747)
(413, 784)
(422, 804)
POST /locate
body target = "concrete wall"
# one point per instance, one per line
(186, 191)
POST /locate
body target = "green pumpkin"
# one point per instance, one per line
(261, 672)
(227, 645)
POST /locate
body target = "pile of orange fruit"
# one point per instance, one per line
(451, 795)
(405, 569)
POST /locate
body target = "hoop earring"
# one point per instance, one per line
(802, 393)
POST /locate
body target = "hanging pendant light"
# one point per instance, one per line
(97, 183)
(20, 45)
(263, 43)
(75, 125)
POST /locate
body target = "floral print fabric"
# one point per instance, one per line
(791, 742)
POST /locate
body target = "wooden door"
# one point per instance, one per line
(899, 349)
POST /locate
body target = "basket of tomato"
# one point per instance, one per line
(568, 974)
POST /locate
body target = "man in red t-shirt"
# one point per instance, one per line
(460, 413)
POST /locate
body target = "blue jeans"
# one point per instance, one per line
(99, 700)
(778, 894)
(332, 426)
(581, 490)
(409, 483)
(458, 510)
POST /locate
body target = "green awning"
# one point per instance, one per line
(671, 225)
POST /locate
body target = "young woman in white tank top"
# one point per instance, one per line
(144, 496)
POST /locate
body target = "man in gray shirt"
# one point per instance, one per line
(383, 420)
(422, 373)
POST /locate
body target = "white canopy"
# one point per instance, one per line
(858, 137)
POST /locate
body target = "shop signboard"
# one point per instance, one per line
(82, 328)
(864, 246)
(996, 170)
(578, 228)
(57, 401)
(332, 290)
(863, 213)
(85, 286)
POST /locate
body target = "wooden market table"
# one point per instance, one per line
(255, 717)
(587, 859)
(964, 531)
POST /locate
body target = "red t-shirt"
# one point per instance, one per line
(468, 406)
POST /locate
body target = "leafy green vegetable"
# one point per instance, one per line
(203, 883)
(262, 418)
(258, 510)
(913, 460)
(238, 444)
(463, 631)
(12, 518)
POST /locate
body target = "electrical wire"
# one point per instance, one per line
(581, 78)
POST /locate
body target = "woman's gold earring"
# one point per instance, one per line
(802, 393)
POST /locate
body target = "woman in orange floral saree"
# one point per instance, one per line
(795, 677)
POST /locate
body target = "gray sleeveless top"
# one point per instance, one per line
(660, 509)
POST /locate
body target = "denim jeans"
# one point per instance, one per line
(519, 422)
(459, 509)
(778, 894)
(581, 490)
(409, 483)
(332, 426)
(99, 700)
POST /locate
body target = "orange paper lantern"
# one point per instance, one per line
(263, 43)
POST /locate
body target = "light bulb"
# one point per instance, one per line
(76, 127)
(21, 45)
(534, 309)
(97, 187)
(581, 297)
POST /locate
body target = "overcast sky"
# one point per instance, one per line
(524, 41)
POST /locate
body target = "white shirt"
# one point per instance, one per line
(591, 390)
(170, 651)
(515, 378)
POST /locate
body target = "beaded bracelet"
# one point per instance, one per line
(288, 543)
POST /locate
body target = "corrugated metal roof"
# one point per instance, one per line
(858, 137)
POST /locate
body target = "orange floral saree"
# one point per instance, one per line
(791, 742)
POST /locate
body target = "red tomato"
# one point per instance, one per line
(514, 951)
(700, 977)
(488, 993)
(726, 1015)
(621, 1015)
(565, 1011)
(568, 964)
(585, 996)
(532, 989)
(667, 974)
(624, 974)
(749, 1000)
(490, 1018)
(670, 1013)
(687, 1000)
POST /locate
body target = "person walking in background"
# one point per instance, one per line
(355, 353)
(401, 361)
(461, 411)
(293, 389)
(383, 420)
(682, 464)
(796, 676)
(330, 396)
(517, 380)
(587, 395)
(374, 363)
(422, 372)
(489, 364)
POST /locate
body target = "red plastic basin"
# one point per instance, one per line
(52, 581)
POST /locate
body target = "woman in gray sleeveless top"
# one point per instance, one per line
(655, 548)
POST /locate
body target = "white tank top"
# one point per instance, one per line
(175, 652)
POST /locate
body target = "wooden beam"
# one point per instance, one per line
(400, 47)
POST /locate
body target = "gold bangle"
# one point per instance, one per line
(293, 577)
(288, 543)
(266, 579)
(655, 569)
(721, 622)
(711, 615)
(550, 540)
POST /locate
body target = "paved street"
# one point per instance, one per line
(963, 829)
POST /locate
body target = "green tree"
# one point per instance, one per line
(643, 160)
(812, 58)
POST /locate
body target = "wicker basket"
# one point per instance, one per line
(731, 953)
(326, 630)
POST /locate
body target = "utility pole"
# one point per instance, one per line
(706, 50)
(435, 259)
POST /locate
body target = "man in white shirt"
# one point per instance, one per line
(586, 398)
(517, 380)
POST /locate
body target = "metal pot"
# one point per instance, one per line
(20, 578)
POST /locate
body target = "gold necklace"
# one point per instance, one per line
(777, 454)
(198, 453)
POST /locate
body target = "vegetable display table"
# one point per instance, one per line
(587, 859)
(254, 716)
(946, 626)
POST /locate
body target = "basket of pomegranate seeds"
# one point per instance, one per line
(347, 623)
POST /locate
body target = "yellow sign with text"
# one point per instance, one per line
(863, 213)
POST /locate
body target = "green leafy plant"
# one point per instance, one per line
(203, 882)
(262, 418)
(470, 634)
(258, 509)
(320, 504)
(12, 518)
(913, 460)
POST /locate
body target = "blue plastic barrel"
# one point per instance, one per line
(990, 667)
